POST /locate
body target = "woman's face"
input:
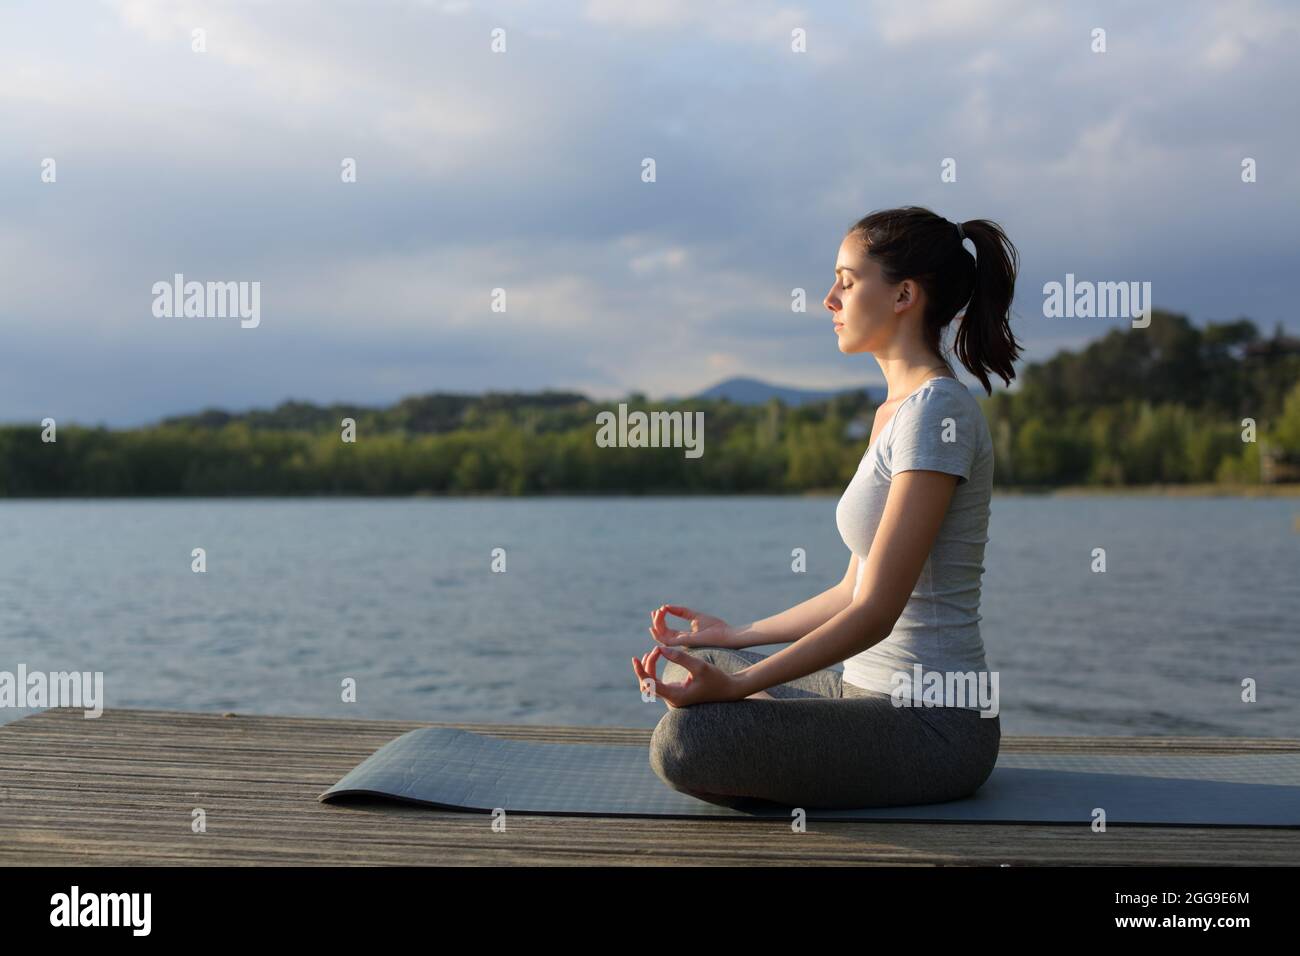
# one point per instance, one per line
(861, 302)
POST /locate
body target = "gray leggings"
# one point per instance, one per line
(821, 743)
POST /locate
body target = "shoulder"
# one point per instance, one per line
(939, 427)
(936, 402)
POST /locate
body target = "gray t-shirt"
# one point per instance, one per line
(939, 427)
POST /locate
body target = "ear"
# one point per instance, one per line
(905, 297)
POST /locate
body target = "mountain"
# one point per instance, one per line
(752, 391)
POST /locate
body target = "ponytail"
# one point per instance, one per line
(984, 341)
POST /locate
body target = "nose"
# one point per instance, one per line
(831, 302)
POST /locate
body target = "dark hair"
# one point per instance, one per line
(915, 243)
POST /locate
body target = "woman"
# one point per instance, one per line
(786, 728)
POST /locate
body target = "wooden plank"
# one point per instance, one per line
(120, 789)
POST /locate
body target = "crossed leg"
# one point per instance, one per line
(810, 746)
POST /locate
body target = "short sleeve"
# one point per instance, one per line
(935, 431)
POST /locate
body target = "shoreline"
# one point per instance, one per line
(1201, 490)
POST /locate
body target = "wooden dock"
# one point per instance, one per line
(121, 790)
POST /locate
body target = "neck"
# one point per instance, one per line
(903, 375)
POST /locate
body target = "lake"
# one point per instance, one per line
(398, 594)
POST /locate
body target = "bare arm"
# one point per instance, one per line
(795, 622)
(914, 512)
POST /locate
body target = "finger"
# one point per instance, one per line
(680, 610)
(681, 658)
(671, 638)
(660, 628)
(642, 678)
(666, 634)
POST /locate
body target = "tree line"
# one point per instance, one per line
(1163, 404)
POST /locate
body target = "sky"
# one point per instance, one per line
(479, 169)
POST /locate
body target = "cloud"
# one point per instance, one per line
(755, 22)
(522, 171)
(925, 21)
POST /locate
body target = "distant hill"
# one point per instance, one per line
(434, 413)
(440, 412)
(752, 391)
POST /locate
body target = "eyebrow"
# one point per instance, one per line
(845, 269)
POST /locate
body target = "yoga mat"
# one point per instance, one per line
(458, 769)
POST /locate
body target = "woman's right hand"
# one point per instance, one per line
(706, 630)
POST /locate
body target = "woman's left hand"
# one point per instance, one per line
(704, 683)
